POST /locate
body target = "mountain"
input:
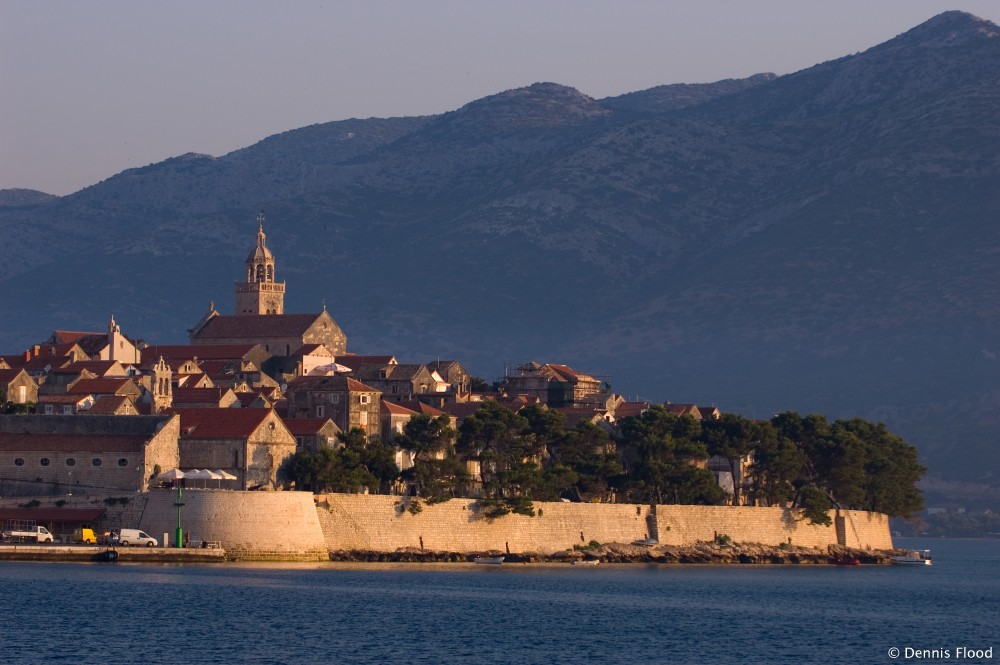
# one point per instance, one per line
(822, 241)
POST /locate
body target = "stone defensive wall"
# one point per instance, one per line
(685, 525)
(250, 526)
(382, 523)
(297, 526)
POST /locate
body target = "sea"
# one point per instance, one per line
(512, 613)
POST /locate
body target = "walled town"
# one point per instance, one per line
(266, 436)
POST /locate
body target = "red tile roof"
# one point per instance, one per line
(106, 386)
(73, 336)
(108, 405)
(198, 395)
(420, 407)
(221, 423)
(81, 443)
(354, 361)
(630, 409)
(274, 325)
(306, 426)
(52, 514)
(202, 351)
(394, 409)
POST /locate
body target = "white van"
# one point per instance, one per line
(129, 537)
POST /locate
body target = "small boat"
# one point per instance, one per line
(488, 559)
(846, 561)
(913, 558)
(585, 562)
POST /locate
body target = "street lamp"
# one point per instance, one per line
(179, 534)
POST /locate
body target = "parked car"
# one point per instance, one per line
(130, 537)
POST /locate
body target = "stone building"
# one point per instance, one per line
(313, 433)
(260, 314)
(17, 386)
(44, 455)
(251, 444)
(556, 385)
(400, 382)
(346, 401)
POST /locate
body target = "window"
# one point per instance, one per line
(332, 398)
(96, 461)
(67, 410)
(70, 461)
(365, 399)
(122, 461)
(22, 394)
(48, 409)
(18, 461)
(319, 411)
(44, 461)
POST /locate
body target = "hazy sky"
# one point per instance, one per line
(88, 89)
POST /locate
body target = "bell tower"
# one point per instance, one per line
(162, 388)
(260, 294)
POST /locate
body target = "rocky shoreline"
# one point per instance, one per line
(700, 553)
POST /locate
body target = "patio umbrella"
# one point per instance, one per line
(224, 475)
(173, 475)
(201, 474)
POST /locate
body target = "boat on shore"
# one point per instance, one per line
(846, 561)
(913, 558)
(491, 560)
(585, 562)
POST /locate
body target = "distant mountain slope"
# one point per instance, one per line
(19, 197)
(821, 241)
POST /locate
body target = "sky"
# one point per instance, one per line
(89, 89)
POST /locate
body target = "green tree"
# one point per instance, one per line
(437, 472)
(508, 454)
(731, 437)
(660, 453)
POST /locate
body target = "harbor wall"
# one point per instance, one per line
(290, 526)
(383, 523)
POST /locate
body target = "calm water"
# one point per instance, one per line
(118, 613)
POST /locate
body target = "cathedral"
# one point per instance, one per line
(260, 313)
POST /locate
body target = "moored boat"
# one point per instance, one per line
(488, 559)
(847, 561)
(913, 558)
(585, 562)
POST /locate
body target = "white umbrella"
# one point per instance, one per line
(221, 475)
(201, 474)
(172, 475)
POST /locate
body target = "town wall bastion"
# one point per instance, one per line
(250, 526)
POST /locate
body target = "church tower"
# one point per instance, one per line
(161, 387)
(260, 294)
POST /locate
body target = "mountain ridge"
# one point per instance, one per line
(822, 240)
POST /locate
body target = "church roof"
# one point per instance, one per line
(257, 326)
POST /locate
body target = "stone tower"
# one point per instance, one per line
(161, 388)
(114, 340)
(260, 294)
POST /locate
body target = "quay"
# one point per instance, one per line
(103, 553)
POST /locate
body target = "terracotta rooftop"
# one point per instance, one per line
(274, 325)
(201, 351)
(106, 386)
(220, 423)
(394, 409)
(107, 405)
(337, 383)
(306, 426)
(79, 443)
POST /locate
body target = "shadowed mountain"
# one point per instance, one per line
(821, 241)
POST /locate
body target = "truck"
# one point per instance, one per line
(25, 531)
